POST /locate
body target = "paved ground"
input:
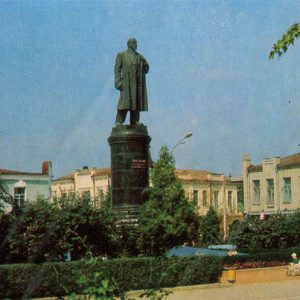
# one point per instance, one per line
(262, 283)
(287, 290)
(260, 275)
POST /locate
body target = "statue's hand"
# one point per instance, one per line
(119, 85)
(146, 66)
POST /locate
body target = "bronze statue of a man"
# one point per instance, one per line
(130, 79)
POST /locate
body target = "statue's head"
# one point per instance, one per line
(132, 43)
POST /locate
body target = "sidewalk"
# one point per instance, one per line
(261, 283)
(284, 290)
(258, 275)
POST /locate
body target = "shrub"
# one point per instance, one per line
(270, 258)
(60, 278)
(277, 231)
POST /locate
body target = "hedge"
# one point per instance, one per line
(266, 258)
(60, 278)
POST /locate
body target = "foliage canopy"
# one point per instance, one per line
(277, 231)
(44, 231)
(210, 228)
(168, 218)
(287, 39)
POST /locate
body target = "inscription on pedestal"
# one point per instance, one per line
(139, 164)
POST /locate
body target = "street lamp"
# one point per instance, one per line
(182, 141)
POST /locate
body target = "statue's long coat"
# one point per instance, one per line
(130, 79)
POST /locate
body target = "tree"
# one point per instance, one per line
(5, 197)
(44, 231)
(277, 231)
(287, 39)
(168, 218)
(35, 232)
(210, 228)
(88, 230)
(5, 225)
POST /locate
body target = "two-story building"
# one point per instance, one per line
(272, 186)
(202, 187)
(207, 189)
(93, 182)
(27, 186)
(223, 193)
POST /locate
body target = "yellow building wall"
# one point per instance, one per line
(270, 171)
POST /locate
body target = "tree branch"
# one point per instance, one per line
(287, 39)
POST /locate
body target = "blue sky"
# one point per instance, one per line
(209, 74)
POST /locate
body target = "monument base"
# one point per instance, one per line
(129, 146)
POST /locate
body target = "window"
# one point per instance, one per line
(287, 189)
(99, 200)
(270, 188)
(19, 195)
(195, 197)
(85, 194)
(204, 198)
(71, 194)
(101, 194)
(64, 195)
(256, 191)
(229, 199)
(215, 199)
(240, 195)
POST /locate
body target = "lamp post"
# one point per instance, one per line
(182, 141)
(225, 204)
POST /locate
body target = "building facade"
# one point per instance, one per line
(207, 189)
(26, 187)
(93, 182)
(201, 187)
(273, 186)
(223, 193)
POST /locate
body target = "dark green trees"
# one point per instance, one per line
(277, 231)
(210, 228)
(167, 219)
(44, 231)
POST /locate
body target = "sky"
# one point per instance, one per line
(209, 74)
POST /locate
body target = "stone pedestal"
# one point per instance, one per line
(129, 145)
